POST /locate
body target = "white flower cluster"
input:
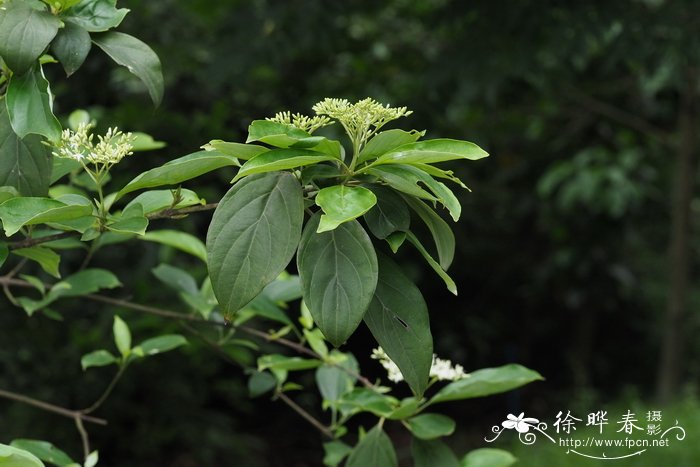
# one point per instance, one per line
(109, 150)
(303, 122)
(441, 369)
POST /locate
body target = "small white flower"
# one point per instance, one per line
(78, 145)
(441, 369)
(521, 424)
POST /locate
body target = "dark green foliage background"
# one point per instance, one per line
(561, 249)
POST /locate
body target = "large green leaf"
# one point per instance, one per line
(375, 449)
(389, 215)
(440, 230)
(45, 451)
(25, 163)
(338, 271)
(15, 457)
(342, 203)
(406, 179)
(486, 382)
(451, 286)
(281, 159)
(24, 34)
(18, 212)
(179, 170)
(432, 151)
(97, 15)
(45, 257)
(432, 453)
(137, 57)
(71, 46)
(252, 236)
(431, 425)
(398, 319)
(29, 105)
(180, 240)
(488, 457)
(386, 141)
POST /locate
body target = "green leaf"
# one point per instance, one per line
(261, 382)
(122, 336)
(24, 34)
(157, 200)
(18, 212)
(47, 259)
(431, 425)
(276, 134)
(43, 450)
(130, 225)
(180, 240)
(488, 457)
(406, 179)
(333, 382)
(252, 236)
(386, 141)
(341, 204)
(335, 452)
(92, 459)
(145, 142)
(282, 362)
(338, 271)
(285, 288)
(375, 449)
(432, 453)
(30, 107)
(137, 57)
(395, 240)
(15, 457)
(409, 406)
(432, 151)
(162, 344)
(316, 342)
(389, 215)
(398, 320)
(367, 400)
(97, 358)
(4, 252)
(96, 15)
(451, 286)
(25, 163)
(176, 278)
(280, 159)
(71, 46)
(441, 232)
(486, 382)
(7, 192)
(179, 170)
(240, 151)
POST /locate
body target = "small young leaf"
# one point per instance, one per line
(252, 236)
(431, 425)
(97, 358)
(92, 459)
(488, 457)
(145, 142)
(486, 382)
(162, 344)
(130, 225)
(316, 342)
(137, 57)
(374, 449)
(338, 271)
(341, 204)
(122, 336)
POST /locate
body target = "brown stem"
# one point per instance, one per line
(306, 415)
(74, 414)
(170, 213)
(83, 437)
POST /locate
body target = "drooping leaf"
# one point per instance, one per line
(451, 286)
(486, 382)
(179, 170)
(410, 180)
(122, 336)
(431, 425)
(137, 57)
(432, 151)
(441, 232)
(338, 271)
(488, 457)
(252, 236)
(374, 449)
(162, 344)
(389, 215)
(24, 34)
(386, 141)
(44, 450)
(71, 46)
(97, 358)
(240, 151)
(180, 240)
(25, 163)
(96, 15)
(29, 105)
(341, 204)
(280, 159)
(432, 453)
(14, 457)
(398, 320)
(45, 257)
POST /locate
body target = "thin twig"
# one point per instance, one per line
(30, 242)
(106, 392)
(212, 345)
(83, 437)
(306, 415)
(51, 408)
(170, 213)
